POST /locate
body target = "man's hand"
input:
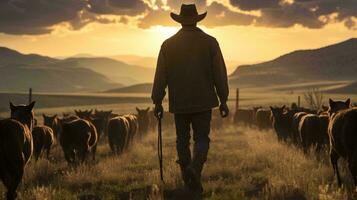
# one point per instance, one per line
(224, 110)
(159, 111)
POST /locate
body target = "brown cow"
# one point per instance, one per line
(16, 146)
(295, 127)
(264, 119)
(103, 113)
(143, 120)
(85, 114)
(324, 122)
(100, 125)
(69, 118)
(313, 131)
(102, 120)
(280, 123)
(244, 116)
(54, 123)
(152, 120)
(43, 138)
(78, 138)
(342, 134)
(133, 128)
(64, 114)
(118, 134)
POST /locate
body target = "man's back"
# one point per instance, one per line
(192, 63)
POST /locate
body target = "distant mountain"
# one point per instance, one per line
(9, 56)
(138, 88)
(150, 62)
(145, 61)
(44, 79)
(82, 72)
(83, 55)
(332, 63)
(18, 72)
(117, 71)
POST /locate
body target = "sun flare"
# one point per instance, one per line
(164, 31)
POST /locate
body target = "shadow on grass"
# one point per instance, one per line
(147, 192)
(181, 193)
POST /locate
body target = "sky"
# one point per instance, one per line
(248, 31)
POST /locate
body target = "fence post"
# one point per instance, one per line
(299, 102)
(237, 99)
(30, 95)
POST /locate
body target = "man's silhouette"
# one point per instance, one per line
(191, 65)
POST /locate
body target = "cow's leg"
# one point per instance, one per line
(112, 146)
(334, 161)
(82, 154)
(48, 151)
(94, 150)
(11, 177)
(17, 177)
(352, 168)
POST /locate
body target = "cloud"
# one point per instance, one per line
(307, 13)
(42, 16)
(289, 15)
(33, 17)
(117, 7)
(311, 14)
(36, 17)
(156, 17)
(176, 4)
(255, 4)
(218, 15)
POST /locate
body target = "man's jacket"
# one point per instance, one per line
(191, 65)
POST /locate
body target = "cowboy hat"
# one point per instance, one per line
(188, 15)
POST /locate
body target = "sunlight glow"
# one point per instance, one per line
(164, 31)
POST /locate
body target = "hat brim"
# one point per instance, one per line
(188, 19)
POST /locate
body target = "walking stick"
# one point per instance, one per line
(159, 148)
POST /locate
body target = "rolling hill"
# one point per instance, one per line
(137, 88)
(43, 79)
(9, 57)
(336, 62)
(20, 71)
(150, 62)
(347, 88)
(115, 70)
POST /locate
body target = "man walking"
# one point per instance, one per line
(191, 65)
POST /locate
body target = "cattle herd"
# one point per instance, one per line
(333, 127)
(78, 133)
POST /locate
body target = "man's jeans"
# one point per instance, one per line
(200, 123)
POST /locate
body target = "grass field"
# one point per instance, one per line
(243, 164)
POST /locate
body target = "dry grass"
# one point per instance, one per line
(242, 164)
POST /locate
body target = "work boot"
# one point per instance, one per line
(184, 174)
(196, 167)
(195, 184)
